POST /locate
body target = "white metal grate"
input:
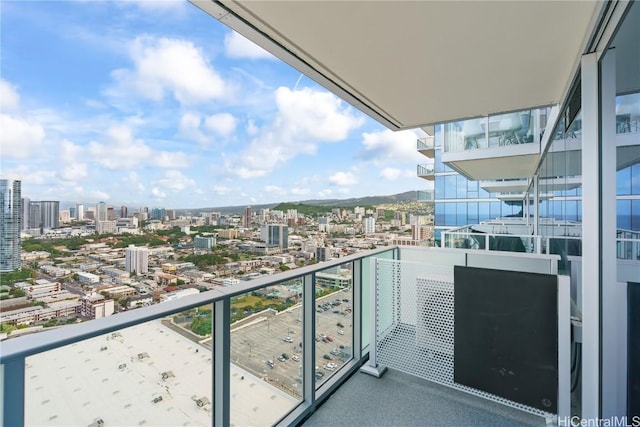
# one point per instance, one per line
(415, 324)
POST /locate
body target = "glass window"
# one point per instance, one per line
(623, 213)
(635, 179)
(635, 215)
(472, 212)
(439, 187)
(483, 211)
(450, 214)
(461, 215)
(623, 182)
(450, 190)
(495, 210)
(440, 214)
(461, 187)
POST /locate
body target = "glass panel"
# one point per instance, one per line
(157, 373)
(266, 353)
(334, 320)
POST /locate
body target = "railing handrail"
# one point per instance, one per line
(28, 345)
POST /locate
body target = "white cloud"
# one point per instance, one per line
(305, 119)
(71, 168)
(133, 181)
(95, 104)
(387, 146)
(343, 179)
(120, 150)
(29, 175)
(190, 127)
(274, 189)
(163, 65)
(170, 159)
(223, 124)
(297, 191)
(252, 129)
(157, 193)
(238, 46)
(19, 138)
(325, 193)
(390, 173)
(174, 180)
(99, 195)
(221, 190)
(9, 98)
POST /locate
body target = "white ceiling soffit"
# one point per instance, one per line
(410, 64)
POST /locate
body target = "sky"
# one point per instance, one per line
(157, 104)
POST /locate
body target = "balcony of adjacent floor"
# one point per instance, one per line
(426, 196)
(426, 146)
(426, 172)
(505, 146)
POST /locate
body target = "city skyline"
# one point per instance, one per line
(156, 104)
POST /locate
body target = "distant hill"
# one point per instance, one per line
(407, 196)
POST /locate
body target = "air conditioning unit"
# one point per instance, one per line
(434, 312)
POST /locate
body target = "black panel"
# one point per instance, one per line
(506, 334)
(633, 355)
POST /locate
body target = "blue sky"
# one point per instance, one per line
(158, 104)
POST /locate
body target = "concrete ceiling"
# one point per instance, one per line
(410, 64)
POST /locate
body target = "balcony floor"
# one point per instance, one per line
(398, 399)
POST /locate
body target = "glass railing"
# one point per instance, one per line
(628, 244)
(492, 131)
(426, 146)
(628, 113)
(425, 196)
(261, 353)
(426, 172)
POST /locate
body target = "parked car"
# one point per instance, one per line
(285, 355)
(269, 363)
(340, 325)
(287, 339)
(326, 356)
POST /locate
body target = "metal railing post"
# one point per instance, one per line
(308, 338)
(371, 367)
(221, 362)
(13, 392)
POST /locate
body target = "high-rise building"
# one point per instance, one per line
(10, 224)
(80, 212)
(44, 214)
(275, 235)
(137, 259)
(124, 212)
(246, 217)
(369, 225)
(101, 212)
(201, 242)
(65, 216)
(72, 212)
(50, 211)
(26, 202)
(35, 215)
(111, 213)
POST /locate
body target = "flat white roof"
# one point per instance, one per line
(82, 382)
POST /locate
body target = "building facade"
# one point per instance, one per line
(137, 259)
(10, 224)
(275, 235)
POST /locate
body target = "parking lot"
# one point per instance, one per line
(268, 336)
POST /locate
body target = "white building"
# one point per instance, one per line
(96, 306)
(137, 259)
(369, 225)
(88, 278)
